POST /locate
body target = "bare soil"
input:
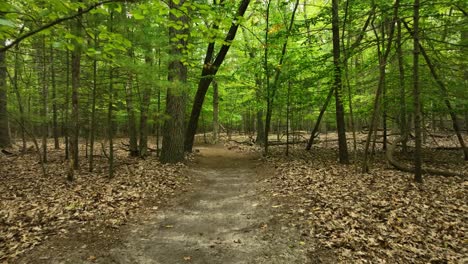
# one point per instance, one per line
(224, 218)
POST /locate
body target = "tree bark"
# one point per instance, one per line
(75, 80)
(340, 121)
(173, 133)
(131, 116)
(401, 78)
(55, 130)
(19, 100)
(215, 113)
(145, 101)
(110, 123)
(44, 99)
(92, 126)
(210, 68)
(416, 96)
(5, 140)
(383, 56)
(314, 133)
(66, 126)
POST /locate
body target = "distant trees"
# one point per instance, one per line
(95, 72)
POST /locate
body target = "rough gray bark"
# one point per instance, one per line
(173, 133)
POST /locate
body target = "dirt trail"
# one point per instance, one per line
(222, 219)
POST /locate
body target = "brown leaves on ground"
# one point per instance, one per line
(33, 207)
(381, 217)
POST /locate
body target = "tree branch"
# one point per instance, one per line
(53, 23)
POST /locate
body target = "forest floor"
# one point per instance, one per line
(221, 218)
(231, 205)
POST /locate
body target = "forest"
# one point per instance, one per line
(329, 131)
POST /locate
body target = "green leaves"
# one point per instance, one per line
(5, 22)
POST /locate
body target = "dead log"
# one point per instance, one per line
(403, 167)
(278, 143)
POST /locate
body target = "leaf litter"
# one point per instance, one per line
(34, 208)
(380, 217)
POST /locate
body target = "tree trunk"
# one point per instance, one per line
(20, 101)
(215, 113)
(66, 109)
(210, 68)
(314, 132)
(173, 133)
(55, 130)
(288, 113)
(92, 126)
(110, 124)
(403, 120)
(145, 101)
(383, 56)
(271, 89)
(131, 116)
(158, 121)
(75, 80)
(445, 94)
(416, 97)
(5, 140)
(340, 121)
(44, 97)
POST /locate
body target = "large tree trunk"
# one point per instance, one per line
(4, 125)
(340, 121)
(210, 68)
(173, 133)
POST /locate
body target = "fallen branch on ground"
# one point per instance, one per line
(403, 167)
